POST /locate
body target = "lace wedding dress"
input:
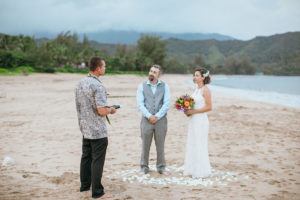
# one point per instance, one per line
(196, 162)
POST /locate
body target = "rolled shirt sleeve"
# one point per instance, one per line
(100, 97)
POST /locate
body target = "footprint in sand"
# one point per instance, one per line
(269, 172)
(65, 178)
(247, 152)
(116, 188)
(44, 160)
(15, 123)
(28, 174)
(273, 182)
(127, 197)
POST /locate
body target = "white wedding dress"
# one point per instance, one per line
(196, 162)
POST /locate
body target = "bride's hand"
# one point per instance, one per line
(188, 112)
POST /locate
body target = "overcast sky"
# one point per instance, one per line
(241, 19)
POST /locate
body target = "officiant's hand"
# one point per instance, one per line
(113, 110)
(153, 119)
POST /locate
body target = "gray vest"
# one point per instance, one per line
(153, 102)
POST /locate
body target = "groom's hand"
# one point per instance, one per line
(153, 119)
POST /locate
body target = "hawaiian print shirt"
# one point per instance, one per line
(90, 94)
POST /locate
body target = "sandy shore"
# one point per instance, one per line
(254, 147)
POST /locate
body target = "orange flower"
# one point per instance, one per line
(186, 104)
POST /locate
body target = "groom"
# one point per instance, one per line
(153, 101)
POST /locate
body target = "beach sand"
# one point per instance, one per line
(254, 147)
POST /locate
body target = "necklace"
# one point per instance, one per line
(93, 76)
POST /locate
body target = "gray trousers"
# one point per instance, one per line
(159, 130)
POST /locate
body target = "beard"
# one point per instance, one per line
(151, 78)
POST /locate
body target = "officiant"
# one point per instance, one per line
(92, 109)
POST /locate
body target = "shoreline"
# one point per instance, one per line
(272, 97)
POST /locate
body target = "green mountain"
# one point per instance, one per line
(280, 48)
(277, 54)
(273, 54)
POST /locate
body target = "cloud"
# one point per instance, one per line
(240, 19)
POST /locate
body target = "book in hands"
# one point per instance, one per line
(116, 106)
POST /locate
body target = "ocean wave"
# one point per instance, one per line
(284, 99)
(268, 97)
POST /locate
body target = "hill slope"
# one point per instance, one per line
(260, 50)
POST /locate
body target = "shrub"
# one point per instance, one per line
(3, 71)
(26, 69)
(48, 70)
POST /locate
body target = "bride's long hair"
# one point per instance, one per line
(204, 73)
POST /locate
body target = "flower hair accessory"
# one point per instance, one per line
(206, 74)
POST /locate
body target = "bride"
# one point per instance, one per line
(196, 162)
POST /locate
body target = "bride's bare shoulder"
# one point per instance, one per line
(206, 90)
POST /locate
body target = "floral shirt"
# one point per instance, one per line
(90, 94)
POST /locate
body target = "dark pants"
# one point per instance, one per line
(91, 165)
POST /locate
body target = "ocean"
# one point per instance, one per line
(282, 90)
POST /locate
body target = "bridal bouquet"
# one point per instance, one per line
(184, 102)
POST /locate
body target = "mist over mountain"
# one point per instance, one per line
(131, 37)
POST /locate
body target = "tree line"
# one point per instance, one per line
(67, 53)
